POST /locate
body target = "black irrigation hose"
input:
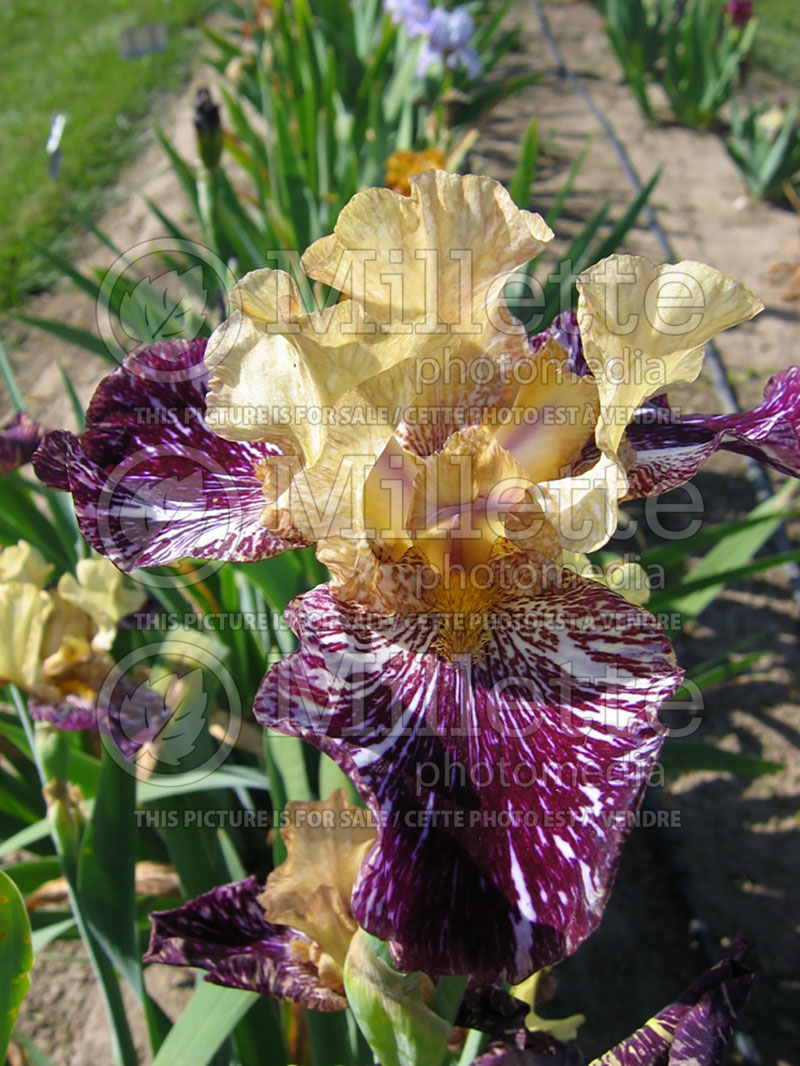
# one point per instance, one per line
(671, 853)
(729, 401)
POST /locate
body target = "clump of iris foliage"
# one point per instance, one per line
(279, 681)
(694, 50)
(764, 143)
(698, 53)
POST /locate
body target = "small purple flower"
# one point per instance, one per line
(740, 11)
(413, 14)
(448, 36)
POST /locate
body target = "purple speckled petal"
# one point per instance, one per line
(151, 483)
(50, 459)
(500, 786)
(671, 448)
(131, 716)
(19, 439)
(492, 1010)
(696, 1029)
(225, 932)
(532, 1054)
(71, 714)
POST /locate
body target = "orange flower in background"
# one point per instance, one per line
(262, 18)
(401, 165)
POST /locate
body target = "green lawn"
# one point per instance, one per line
(65, 57)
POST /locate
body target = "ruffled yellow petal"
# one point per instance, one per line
(437, 258)
(327, 381)
(24, 612)
(67, 638)
(23, 562)
(104, 594)
(644, 326)
(326, 498)
(584, 507)
(326, 843)
(276, 374)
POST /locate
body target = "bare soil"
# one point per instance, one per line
(738, 836)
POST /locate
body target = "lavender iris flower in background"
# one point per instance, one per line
(413, 14)
(447, 34)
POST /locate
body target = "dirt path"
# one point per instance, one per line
(739, 837)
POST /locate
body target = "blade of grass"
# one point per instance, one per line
(688, 756)
(521, 184)
(10, 379)
(81, 338)
(75, 403)
(205, 1024)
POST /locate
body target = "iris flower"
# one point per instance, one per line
(740, 11)
(291, 938)
(413, 14)
(445, 34)
(57, 648)
(446, 40)
(496, 711)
